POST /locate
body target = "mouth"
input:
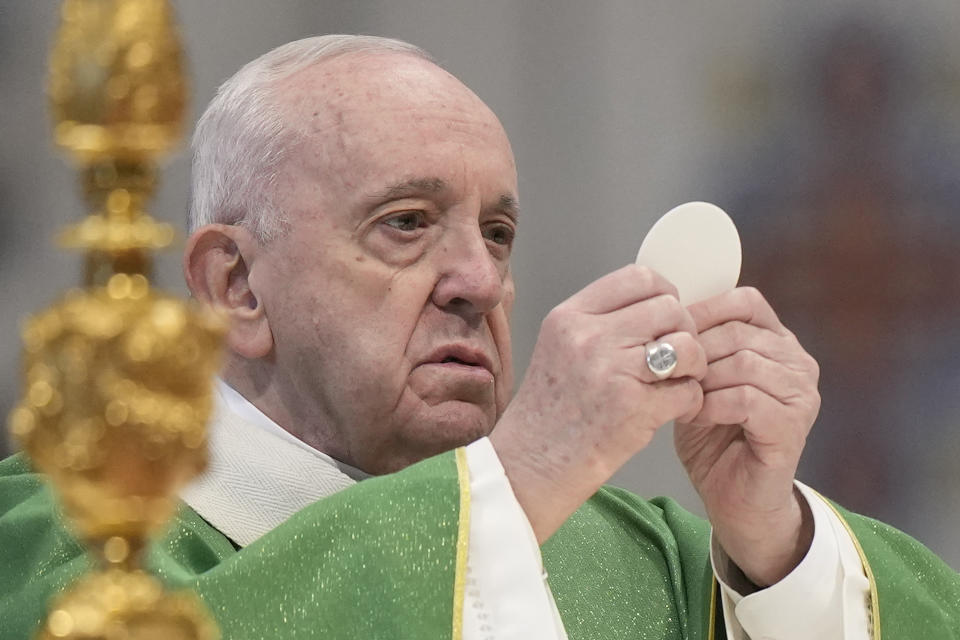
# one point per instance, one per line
(460, 356)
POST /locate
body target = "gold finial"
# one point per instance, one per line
(118, 376)
(117, 95)
(116, 80)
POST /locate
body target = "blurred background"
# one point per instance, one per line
(828, 129)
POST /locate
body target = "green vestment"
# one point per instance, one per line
(383, 559)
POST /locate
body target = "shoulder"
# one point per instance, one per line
(37, 555)
(24, 495)
(18, 481)
(27, 504)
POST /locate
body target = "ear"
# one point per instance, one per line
(216, 265)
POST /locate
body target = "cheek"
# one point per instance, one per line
(328, 298)
(376, 308)
(509, 294)
(499, 324)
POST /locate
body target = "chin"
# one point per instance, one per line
(454, 427)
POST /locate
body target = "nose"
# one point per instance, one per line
(471, 280)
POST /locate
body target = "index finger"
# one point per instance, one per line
(745, 304)
(619, 289)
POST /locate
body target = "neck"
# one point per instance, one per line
(259, 385)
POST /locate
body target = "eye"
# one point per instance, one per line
(501, 234)
(406, 220)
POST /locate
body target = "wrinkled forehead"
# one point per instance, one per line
(343, 80)
(359, 99)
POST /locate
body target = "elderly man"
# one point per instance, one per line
(354, 211)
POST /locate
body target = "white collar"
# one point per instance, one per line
(247, 411)
(258, 474)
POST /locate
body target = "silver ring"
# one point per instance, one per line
(661, 359)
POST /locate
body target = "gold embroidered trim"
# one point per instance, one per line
(463, 540)
(712, 628)
(874, 598)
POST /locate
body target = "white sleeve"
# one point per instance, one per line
(506, 594)
(827, 596)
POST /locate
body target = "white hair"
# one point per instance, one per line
(241, 139)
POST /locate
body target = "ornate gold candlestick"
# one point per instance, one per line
(117, 376)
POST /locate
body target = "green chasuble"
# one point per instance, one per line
(386, 558)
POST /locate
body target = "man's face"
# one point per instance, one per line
(388, 299)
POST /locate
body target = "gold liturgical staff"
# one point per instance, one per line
(116, 375)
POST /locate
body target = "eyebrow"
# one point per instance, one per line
(411, 187)
(510, 206)
(506, 204)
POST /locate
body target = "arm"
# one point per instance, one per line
(826, 596)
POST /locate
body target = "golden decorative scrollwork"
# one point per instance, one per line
(117, 376)
(116, 402)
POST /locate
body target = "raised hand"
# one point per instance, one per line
(588, 401)
(742, 448)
